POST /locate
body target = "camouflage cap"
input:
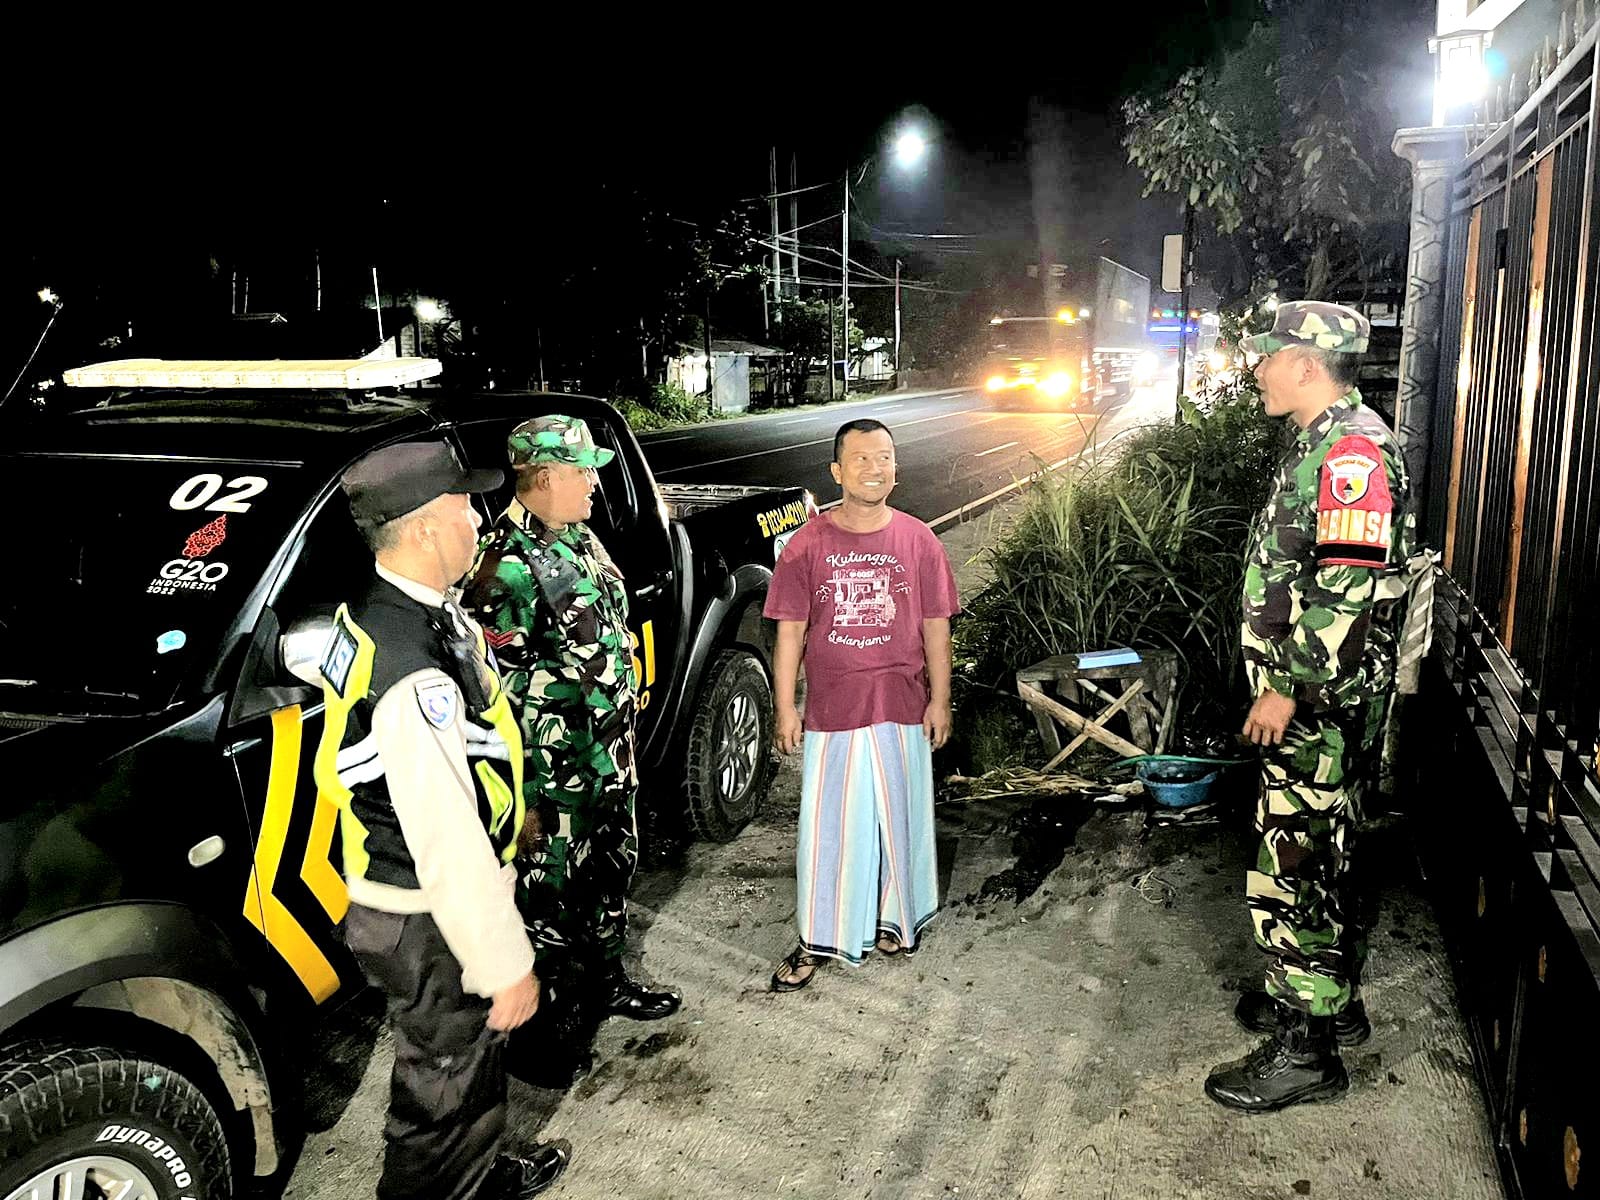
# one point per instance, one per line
(558, 439)
(1315, 324)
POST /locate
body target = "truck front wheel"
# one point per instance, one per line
(93, 1121)
(730, 746)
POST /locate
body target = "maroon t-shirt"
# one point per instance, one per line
(863, 597)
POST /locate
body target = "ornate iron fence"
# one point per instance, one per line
(1510, 795)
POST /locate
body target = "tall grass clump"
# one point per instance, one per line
(1141, 546)
(665, 405)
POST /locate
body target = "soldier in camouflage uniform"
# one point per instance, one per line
(554, 608)
(1325, 582)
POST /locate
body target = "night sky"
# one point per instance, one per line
(141, 189)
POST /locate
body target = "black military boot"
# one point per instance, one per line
(520, 1178)
(1299, 1063)
(623, 997)
(1260, 1013)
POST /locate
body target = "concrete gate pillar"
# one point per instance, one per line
(1434, 154)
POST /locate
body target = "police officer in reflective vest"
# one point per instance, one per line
(422, 755)
(1326, 578)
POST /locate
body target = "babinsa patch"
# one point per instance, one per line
(1348, 476)
(1355, 509)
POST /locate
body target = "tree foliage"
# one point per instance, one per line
(1283, 149)
(800, 328)
(1187, 144)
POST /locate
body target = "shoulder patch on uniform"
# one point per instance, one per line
(437, 699)
(1355, 508)
(339, 657)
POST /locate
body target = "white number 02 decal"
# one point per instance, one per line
(201, 491)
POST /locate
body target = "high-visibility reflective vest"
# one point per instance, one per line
(382, 639)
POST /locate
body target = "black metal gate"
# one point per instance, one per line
(1510, 795)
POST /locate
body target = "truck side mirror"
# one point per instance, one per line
(302, 645)
(279, 666)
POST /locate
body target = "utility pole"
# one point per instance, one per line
(319, 280)
(377, 304)
(711, 373)
(832, 353)
(794, 220)
(777, 252)
(897, 322)
(1183, 312)
(844, 245)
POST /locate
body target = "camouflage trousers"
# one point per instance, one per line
(572, 887)
(1303, 902)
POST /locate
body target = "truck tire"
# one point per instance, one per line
(730, 760)
(98, 1116)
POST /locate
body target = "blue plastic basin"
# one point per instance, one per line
(1176, 782)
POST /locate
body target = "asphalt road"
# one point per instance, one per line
(956, 449)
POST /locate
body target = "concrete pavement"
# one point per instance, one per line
(1049, 1040)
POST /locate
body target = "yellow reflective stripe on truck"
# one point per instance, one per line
(262, 908)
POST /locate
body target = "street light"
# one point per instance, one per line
(1461, 76)
(909, 148)
(430, 310)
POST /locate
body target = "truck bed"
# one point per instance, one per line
(686, 499)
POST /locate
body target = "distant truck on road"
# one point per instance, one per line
(1094, 346)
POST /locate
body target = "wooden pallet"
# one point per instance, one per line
(1141, 694)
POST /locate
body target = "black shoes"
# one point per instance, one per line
(1260, 1013)
(1298, 1064)
(622, 997)
(519, 1178)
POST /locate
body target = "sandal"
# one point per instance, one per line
(799, 959)
(890, 946)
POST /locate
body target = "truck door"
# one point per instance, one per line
(274, 726)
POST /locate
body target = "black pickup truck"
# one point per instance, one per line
(169, 875)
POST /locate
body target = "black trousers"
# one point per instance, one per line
(447, 1095)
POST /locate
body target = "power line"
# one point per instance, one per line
(816, 187)
(831, 250)
(820, 221)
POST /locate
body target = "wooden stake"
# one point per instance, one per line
(1037, 699)
(1098, 723)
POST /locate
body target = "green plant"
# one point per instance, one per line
(1142, 547)
(671, 401)
(994, 732)
(665, 405)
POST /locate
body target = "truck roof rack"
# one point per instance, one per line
(346, 374)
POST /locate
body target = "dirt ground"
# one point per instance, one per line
(1049, 1039)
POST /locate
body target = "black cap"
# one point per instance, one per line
(391, 482)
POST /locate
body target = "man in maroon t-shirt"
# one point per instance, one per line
(864, 594)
